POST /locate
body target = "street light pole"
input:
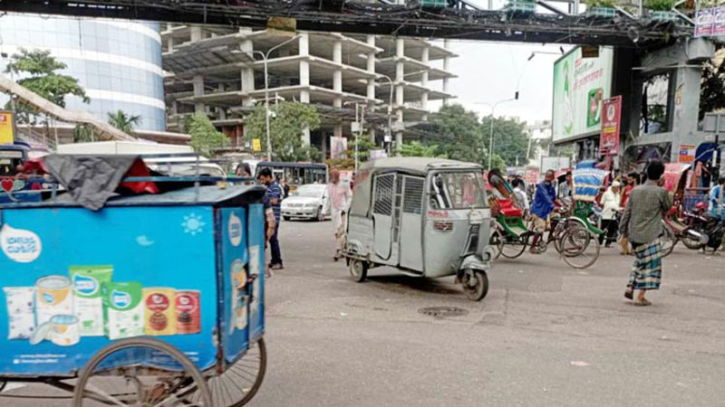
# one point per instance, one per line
(390, 109)
(265, 57)
(493, 111)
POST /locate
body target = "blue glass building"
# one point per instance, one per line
(117, 62)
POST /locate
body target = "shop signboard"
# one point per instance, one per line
(580, 86)
(7, 128)
(609, 139)
(687, 153)
(704, 22)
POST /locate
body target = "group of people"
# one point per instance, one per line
(642, 209)
(339, 197)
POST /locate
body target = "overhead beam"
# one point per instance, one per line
(375, 18)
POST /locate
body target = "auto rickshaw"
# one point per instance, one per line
(427, 217)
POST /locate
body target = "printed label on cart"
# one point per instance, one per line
(39, 359)
(235, 230)
(22, 246)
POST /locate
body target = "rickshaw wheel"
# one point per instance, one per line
(240, 382)
(508, 247)
(141, 371)
(475, 284)
(669, 241)
(358, 270)
(579, 248)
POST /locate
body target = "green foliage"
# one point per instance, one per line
(83, 134)
(458, 134)
(286, 127)
(123, 121)
(712, 90)
(38, 72)
(601, 3)
(510, 139)
(417, 149)
(205, 138)
(659, 5)
(363, 153)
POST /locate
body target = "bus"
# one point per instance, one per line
(295, 173)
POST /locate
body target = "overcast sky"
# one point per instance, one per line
(489, 72)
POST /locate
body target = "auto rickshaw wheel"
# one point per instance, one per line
(358, 270)
(475, 284)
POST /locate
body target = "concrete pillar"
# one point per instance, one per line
(170, 44)
(198, 82)
(686, 91)
(399, 90)
(304, 47)
(337, 81)
(247, 73)
(446, 67)
(197, 33)
(424, 82)
(371, 83)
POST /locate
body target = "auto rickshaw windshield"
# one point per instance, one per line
(458, 190)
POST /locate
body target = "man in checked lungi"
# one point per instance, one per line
(642, 226)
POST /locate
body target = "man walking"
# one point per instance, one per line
(339, 196)
(642, 226)
(274, 196)
(542, 207)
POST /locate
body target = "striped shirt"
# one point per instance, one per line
(274, 191)
(642, 219)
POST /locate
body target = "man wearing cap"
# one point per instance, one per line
(610, 207)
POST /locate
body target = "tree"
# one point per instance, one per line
(205, 138)
(123, 121)
(363, 154)
(511, 143)
(417, 149)
(458, 134)
(83, 134)
(712, 90)
(286, 125)
(38, 72)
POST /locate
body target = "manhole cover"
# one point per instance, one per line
(442, 312)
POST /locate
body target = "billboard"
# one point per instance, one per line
(6, 128)
(580, 86)
(609, 139)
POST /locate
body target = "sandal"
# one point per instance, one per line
(629, 295)
(642, 303)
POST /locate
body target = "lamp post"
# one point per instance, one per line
(391, 82)
(493, 111)
(360, 120)
(265, 57)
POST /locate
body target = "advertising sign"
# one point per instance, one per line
(256, 145)
(338, 147)
(580, 86)
(704, 22)
(687, 153)
(7, 129)
(609, 139)
(719, 27)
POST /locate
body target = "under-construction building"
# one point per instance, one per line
(221, 71)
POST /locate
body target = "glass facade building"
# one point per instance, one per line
(117, 62)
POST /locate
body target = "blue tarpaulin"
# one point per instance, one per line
(587, 183)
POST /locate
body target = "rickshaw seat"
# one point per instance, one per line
(508, 210)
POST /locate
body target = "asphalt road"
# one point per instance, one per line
(546, 335)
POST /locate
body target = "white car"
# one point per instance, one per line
(308, 201)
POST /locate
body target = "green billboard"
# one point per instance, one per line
(580, 86)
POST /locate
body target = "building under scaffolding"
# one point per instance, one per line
(220, 71)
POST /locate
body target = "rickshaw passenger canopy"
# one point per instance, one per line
(409, 165)
(587, 183)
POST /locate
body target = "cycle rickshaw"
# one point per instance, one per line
(153, 299)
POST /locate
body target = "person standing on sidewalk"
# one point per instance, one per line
(339, 196)
(642, 226)
(274, 196)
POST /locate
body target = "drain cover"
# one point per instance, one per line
(442, 312)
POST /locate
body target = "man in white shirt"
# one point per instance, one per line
(339, 196)
(521, 197)
(610, 207)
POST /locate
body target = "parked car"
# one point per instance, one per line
(308, 202)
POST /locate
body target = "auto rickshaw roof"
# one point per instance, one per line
(419, 165)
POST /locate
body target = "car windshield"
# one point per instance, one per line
(458, 190)
(309, 191)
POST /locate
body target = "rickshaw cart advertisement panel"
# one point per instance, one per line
(139, 270)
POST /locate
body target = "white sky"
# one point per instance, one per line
(489, 72)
